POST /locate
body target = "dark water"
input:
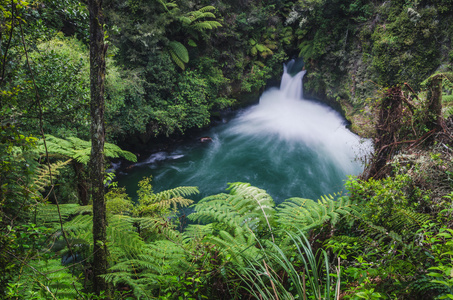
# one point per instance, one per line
(289, 146)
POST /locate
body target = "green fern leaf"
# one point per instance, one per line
(179, 50)
(192, 43)
(305, 214)
(207, 8)
(42, 177)
(80, 150)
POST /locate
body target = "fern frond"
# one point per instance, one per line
(167, 203)
(201, 26)
(207, 8)
(192, 43)
(80, 228)
(80, 150)
(185, 19)
(113, 151)
(159, 226)
(305, 214)
(237, 246)
(200, 15)
(198, 232)
(48, 214)
(55, 145)
(178, 192)
(205, 25)
(123, 237)
(151, 204)
(178, 53)
(42, 178)
(160, 263)
(49, 279)
(246, 205)
(405, 221)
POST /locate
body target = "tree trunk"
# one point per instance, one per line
(435, 103)
(82, 184)
(387, 129)
(97, 76)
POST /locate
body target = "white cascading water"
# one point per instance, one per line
(285, 115)
(287, 145)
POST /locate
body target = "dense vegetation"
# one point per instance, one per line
(173, 66)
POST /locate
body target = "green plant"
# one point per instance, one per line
(307, 274)
(442, 250)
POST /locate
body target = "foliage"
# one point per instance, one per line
(264, 282)
(175, 263)
(118, 202)
(151, 204)
(79, 150)
(441, 245)
(45, 279)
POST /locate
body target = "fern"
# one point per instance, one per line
(124, 241)
(80, 150)
(157, 227)
(197, 19)
(306, 49)
(42, 177)
(198, 232)
(244, 206)
(305, 214)
(206, 25)
(47, 214)
(47, 279)
(207, 8)
(151, 204)
(159, 264)
(178, 53)
(237, 246)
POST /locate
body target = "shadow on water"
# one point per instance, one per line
(287, 145)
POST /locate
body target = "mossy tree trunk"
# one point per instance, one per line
(387, 130)
(435, 103)
(96, 167)
(82, 184)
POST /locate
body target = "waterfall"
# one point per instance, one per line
(288, 145)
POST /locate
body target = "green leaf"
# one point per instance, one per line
(180, 50)
(192, 43)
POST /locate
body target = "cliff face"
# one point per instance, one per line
(356, 49)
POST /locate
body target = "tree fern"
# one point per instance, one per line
(237, 246)
(197, 19)
(305, 213)
(80, 150)
(42, 177)
(245, 206)
(151, 204)
(47, 214)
